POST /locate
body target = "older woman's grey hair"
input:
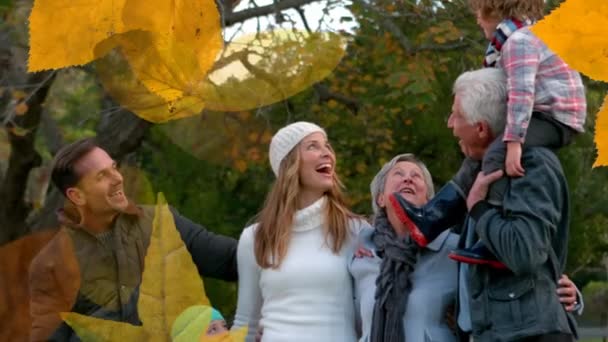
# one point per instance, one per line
(377, 184)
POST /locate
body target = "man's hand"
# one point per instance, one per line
(513, 160)
(479, 190)
(566, 292)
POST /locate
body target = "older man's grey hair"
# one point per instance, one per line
(377, 184)
(483, 97)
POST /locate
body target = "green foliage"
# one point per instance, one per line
(595, 296)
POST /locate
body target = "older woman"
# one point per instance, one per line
(415, 286)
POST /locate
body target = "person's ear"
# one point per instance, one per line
(483, 130)
(380, 200)
(76, 196)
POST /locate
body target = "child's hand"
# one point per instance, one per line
(513, 160)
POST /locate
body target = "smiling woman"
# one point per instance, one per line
(293, 277)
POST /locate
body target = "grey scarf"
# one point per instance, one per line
(399, 256)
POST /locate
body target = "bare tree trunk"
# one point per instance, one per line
(23, 158)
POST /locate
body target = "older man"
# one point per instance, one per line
(94, 264)
(528, 233)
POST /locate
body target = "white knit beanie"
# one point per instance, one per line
(286, 139)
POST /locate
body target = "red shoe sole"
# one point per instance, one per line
(405, 219)
(467, 260)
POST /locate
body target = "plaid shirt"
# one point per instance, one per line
(539, 80)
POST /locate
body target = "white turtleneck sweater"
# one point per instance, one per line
(309, 297)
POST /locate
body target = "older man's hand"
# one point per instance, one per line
(479, 190)
(567, 293)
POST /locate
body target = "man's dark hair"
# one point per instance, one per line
(64, 175)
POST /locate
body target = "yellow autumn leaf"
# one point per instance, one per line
(88, 29)
(65, 32)
(171, 63)
(563, 31)
(95, 329)
(170, 284)
(601, 135)
(170, 281)
(260, 69)
(123, 85)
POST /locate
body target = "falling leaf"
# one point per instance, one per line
(601, 135)
(170, 284)
(260, 69)
(159, 59)
(172, 64)
(21, 108)
(123, 85)
(65, 33)
(563, 29)
(89, 30)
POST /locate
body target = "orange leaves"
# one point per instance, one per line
(573, 32)
(601, 135)
(21, 108)
(65, 33)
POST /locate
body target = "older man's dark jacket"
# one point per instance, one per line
(529, 234)
(78, 272)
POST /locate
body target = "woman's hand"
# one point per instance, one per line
(363, 252)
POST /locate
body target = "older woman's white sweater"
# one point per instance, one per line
(309, 297)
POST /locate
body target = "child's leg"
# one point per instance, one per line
(494, 159)
(548, 132)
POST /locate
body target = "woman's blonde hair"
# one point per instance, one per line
(275, 220)
(502, 9)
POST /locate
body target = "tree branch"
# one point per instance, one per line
(240, 16)
(325, 95)
(23, 158)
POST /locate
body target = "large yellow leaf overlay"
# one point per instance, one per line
(66, 32)
(250, 72)
(601, 135)
(170, 285)
(576, 32)
(260, 69)
(163, 59)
